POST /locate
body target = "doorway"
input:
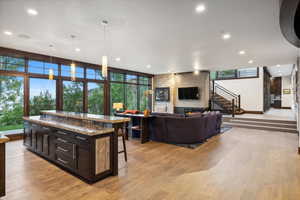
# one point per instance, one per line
(275, 92)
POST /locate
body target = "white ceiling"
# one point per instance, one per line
(281, 70)
(167, 34)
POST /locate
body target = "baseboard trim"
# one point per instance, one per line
(253, 112)
(286, 108)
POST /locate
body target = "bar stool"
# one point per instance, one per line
(122, 133)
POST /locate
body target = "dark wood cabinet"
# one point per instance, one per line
(72, 151)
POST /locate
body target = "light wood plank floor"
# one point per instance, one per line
(240, 164)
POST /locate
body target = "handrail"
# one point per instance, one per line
(226, 90)
(235, 98)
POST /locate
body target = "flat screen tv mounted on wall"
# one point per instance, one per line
(190, 93)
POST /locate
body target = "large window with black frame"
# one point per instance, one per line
(26, 88)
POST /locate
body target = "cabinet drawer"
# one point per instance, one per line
(82, 139)
(63, 134)
(65, 147)
(65, 161)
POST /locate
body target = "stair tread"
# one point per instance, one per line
(255, 126)
(261, 122)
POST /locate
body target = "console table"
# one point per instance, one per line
(142, 126)
(3, 140)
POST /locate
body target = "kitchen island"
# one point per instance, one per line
(3, 140)
(82, 144)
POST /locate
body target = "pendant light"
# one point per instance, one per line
(73, 66)
(104, 57)
(51, 72)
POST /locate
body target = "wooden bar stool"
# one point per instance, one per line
(122, 133)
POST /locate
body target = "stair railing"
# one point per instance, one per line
(235, 99)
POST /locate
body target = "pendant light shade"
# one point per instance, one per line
(105, 57)
(104, 66)
(73, 72)
(51, 74)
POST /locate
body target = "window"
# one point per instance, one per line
(213, 75)
(94, 74)
(117, 93)
(73, 96)
(247, 72)
(235, 74)
(12, 64)
(131, 78)
(95, 98)
(39, 67)
(116, 77)
(144, 80)
(11, 103)
(144, 97)
(42, 95)
(226, 74)
(66, 71)
(131, 97)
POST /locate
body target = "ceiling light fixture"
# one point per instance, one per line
(200, 8)
(250, 61)
(32, 12)
(242, 52)
(196, 72)
(77, 49)
(278, 65)
(118, 59)
(226, 36)
(104, 58)
(7, 32)
(148, 66)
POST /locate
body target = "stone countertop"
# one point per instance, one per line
(85, 116)
(3, 139)
(68, 127)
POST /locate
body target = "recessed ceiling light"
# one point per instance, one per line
(118, 59)
(250, 61)
(7, 32)
(32, 12)
(226, 36)
(148, 66)
(278, 65)
(196, 72)
(77, 49)
(242, 52)
(200, 8)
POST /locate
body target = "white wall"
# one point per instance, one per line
(181, 80)
(286, 99)
(250, 89)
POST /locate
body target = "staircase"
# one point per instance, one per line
(261, 124)
(225, 101)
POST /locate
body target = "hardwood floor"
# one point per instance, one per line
(240, 164)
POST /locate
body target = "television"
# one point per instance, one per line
(190, 93)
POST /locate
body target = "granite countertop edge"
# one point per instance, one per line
(91, 134)
(3, 139)
(74, 116)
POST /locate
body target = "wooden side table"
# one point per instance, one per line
(3, 140)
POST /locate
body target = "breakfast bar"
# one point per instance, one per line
(83, 144)
(3, 140)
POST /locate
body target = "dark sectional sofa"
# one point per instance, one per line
(182, 129)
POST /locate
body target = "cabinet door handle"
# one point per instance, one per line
(62, 161)
(62, 133)
(61, 140)
(81, 138)
(62, 149)
(74, 151)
